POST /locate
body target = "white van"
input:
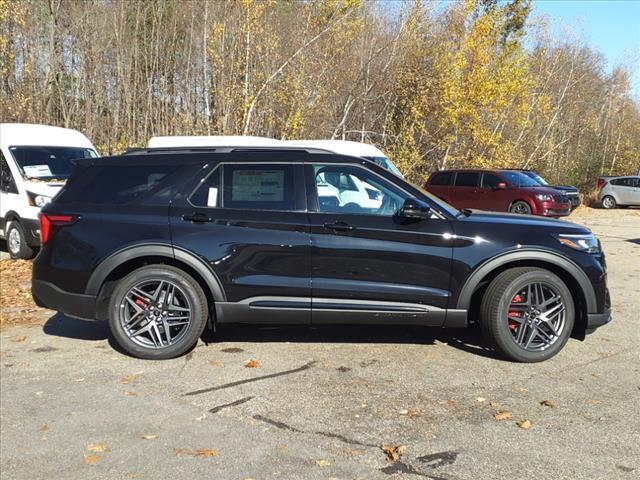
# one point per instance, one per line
(35, 161)
(354, 149)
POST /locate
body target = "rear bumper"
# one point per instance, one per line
(47, 295)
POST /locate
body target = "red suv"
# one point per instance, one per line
(499, 190)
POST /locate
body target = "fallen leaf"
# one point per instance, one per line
(594, 402)
(89, 459)
(148, 437)
(97, 447)
(214, 362)
(522, 389)
(252, 364)
(481, 399)
(45, 428)
(404, 412)
(205, 453)
(394, 452)
(133, 475)
(494, 404)
(547, 403)
(129, 393)
(179, 452)
(323, 463)
(503, 415)
(129, 378)
(524, 424)
(19, 338)
(451, 402)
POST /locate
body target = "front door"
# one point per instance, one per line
(368, 264)
(248, 221)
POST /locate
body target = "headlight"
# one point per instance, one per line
(588, 243)
(36, 200)
(544, 197)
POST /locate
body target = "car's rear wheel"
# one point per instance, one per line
(157, 312)
(17, 242)
(521, 207)
(527, 314)
(608, 202)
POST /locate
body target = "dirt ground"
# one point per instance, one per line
(322, 403)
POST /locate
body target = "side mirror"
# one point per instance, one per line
(501, 186)
(416, 209)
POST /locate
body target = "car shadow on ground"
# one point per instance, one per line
(469, 340)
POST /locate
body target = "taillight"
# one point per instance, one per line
(48, 223)
(601, 183)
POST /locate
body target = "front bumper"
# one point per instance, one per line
(47, 295)
(554, 209)
(31, 231)
(595, 320)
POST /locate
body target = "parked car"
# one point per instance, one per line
(160, 244)
(570, 191)
(619, 191)
(498, 190)
(35, 161)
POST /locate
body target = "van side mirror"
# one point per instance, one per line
(501, 186)
(416, 209)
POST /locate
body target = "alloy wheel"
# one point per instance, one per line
(14, 241)
(536, 316)
(155, 313)
(521, 208)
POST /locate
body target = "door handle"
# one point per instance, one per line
(339, 226)
(196, 217)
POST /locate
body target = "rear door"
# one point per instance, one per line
(248, 222)
(368, 264)
(635, 196)
(624, 189)
(464, 193)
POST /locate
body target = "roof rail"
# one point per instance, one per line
(224, 149)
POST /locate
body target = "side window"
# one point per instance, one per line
(7, 185)
(258, 187)
(489, 180)
(636, 182)
(350, 189)
(467, 179)
(623, 182)
(442, 178)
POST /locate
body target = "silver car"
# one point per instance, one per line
(619, 191)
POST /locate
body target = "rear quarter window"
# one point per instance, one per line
(442, 178)
(467, 179)
(114, 185)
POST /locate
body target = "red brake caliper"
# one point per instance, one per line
(514, 313)
(141, 303)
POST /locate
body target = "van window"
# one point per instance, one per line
(258, 187)
(48, 163)
(442, 178)
(7, 184)
(490, 180)
(467, 179)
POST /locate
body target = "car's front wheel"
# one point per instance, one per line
(520, 207)
(17, 242)
(527, 314)
(157, 312)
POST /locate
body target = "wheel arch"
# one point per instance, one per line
(121, 263)
(532, 205)
(576, 280)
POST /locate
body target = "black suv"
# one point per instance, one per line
(162, 243)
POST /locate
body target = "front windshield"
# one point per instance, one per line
(48, 163)
(519, 179)
(537, 178)
(384, 162)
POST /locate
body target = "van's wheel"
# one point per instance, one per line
(157, 312)
(17, 242)
(608, 202)
(527, 314)
(520, 207)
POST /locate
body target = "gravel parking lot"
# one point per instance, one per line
(321, 403)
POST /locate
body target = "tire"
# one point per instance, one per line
(17, 242)
(521, 207)
(608, 202)
(504, 311)
(154, 343)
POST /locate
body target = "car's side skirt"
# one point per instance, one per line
(305, 310)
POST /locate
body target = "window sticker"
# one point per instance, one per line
(37, 171)
(257, 186)
(212, 199)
